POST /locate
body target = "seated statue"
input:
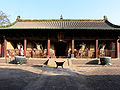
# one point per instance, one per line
(69, 52)
(102, 49)
(82, 49)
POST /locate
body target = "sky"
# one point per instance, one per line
(70, 9)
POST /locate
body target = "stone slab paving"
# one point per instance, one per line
(101, 78)
(58, 79)
(21, 77)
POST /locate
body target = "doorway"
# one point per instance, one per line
(61, 49)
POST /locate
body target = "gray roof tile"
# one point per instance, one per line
(72, 24)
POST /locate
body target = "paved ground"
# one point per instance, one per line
(77, 78)
(101, 78)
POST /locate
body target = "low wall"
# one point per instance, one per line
(30, 61)
(78, 62)
(36, 61)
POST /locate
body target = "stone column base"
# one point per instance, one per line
(72, 55)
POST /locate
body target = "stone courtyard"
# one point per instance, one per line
(24, 77)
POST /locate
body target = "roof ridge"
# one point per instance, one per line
(60, 20)
(19, 19)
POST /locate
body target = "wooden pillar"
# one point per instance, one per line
(5, 47)
(118, 49)
(0, 50)
(72, 46)
(48, 49)
(96, 52)
(25, 46)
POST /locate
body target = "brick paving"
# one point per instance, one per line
(49, 78)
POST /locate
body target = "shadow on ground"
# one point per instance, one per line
(15, 79)
(103, 82)
(18, 79)
(12, 62)
(93, 62)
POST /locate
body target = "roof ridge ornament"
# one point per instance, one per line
(61, 17)
(18, 18)
(105, 18)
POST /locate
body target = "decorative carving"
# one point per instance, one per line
(61, 17)
(105, 18)
(18, 18)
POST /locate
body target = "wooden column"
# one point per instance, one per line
(0, 49)
(118, 49)
(96, 52)
(48, 49)
(25, 46)
(5, 47)
(72, 46)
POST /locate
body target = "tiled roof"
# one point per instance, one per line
(63, 24)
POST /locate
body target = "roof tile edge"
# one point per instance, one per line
(5, 26)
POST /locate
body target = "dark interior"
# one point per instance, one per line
(60, 49)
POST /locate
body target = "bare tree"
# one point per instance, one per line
(4, 19)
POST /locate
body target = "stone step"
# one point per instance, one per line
(75, 62)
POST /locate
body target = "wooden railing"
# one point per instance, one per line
(13, 52)
(78, 53)
(36, 53)
(85, 54)
(91, 53)
(29, 53)
(108, 53)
